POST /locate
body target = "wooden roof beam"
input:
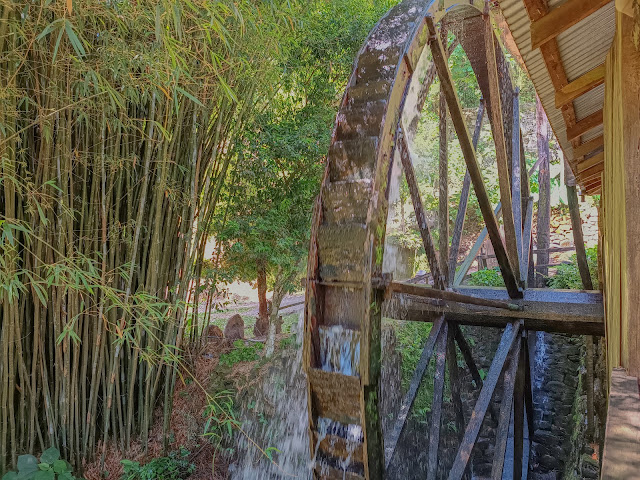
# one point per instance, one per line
(588, 147)
(590, 162)
(562, 18)
(580, 86)
(584, 125)
(591, 173)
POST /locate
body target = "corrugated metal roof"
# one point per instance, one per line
(582, 47)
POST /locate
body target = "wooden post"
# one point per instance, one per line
(468, 151)
(544, 199)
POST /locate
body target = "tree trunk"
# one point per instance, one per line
(263, 311)
(544, 199)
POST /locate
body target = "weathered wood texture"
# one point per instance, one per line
(621, 200)
(580, 86)
(621, 458)
(544, 198)
(560, 311)
(468, 151)
(561, 18)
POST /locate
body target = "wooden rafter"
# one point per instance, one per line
(580, 86)
(591, 172)
(469, 153)
(590, 162)
(584, 125)
(588, 147)
(559, 19)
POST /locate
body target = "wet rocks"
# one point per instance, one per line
(234, 330)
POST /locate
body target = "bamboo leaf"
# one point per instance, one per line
(189, 96)
(73, 38)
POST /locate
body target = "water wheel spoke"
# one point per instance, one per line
(502, 433)
(516, 179)
(510, 335)
(526, 241)
(518, 414)
(454, 382)
(457, 117)
(436, 405)
(464, 200)
(410, 396)
(497, 126)
(421, 217)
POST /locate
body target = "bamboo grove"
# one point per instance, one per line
(118, 126)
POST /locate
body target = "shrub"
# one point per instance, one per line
(489, 277)
(568, 276)
(174, 467)
(50, 467)
(241, 353)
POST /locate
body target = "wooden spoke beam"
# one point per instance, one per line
(590, 162)
(468, 151)
(583, 126)
(475, 248)
(588, 147)
(421, 217)
(464, 200)
(410, 396)
(557, 311)
(436, 405)
(516, 185)
(509, 337)
(497, 127)
(580, 86)
(518, 413)
(504, 420)
(562, 18)
(526, 241)
(454, 383)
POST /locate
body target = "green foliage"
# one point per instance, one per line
(411, 338)
(221, 417)
(488, 277)
(50, 467)
(176, 466)
(568, 276)
(241, 353)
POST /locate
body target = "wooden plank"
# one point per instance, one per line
(428, 292)
(410, 396)
(621, 457)
(590, 162)
(544, 196)
(588, 147)
(516, 185)
(504, 420)
(560, 311)
(510, 335)
(436, 405)
(421, 217)
(335, 396)
(528, 392)
(578, 239)
(580, 86)
(562, 18)
(464, 201)
(584, 125)
(468, 151)
(497, 127)
(590, 172)
(518, 414)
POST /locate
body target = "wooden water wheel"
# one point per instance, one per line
(346, 286)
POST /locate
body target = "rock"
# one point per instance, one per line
(261, 327)
(214, 331)
(234, 330)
